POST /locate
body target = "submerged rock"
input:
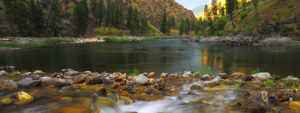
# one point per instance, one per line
(3, 73)
(96, 79)
(141, 79)
(6, 100)
(104, 102)
(294, 105)
(256, 101)
(22, 97)
(262, 76)
(149, 91)
(28, 82)
(79, 79)
(55, 81)
(73, 109)
(196, 87)
(8, 85)
(129, 89)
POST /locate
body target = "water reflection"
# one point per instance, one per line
(169, 55)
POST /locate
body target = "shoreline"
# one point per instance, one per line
(259, 92)
(245, 40)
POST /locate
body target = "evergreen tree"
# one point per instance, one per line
(230, 6)
(100, 12)
(222, 11)
(173, 22)
(80, 17)
(109, 13)
(20, 18)
(54, 18)
(36, 19)
(182, 24)
(135, 21)
(129, 19)
(163, 27)
(93, 5)
(144, 24)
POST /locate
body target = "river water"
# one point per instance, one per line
(164, 55)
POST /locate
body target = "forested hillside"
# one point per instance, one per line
(89, 17)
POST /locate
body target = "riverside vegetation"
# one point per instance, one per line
(189, 91)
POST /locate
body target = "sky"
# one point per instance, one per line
(191, 4)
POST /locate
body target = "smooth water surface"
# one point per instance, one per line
(164, 55)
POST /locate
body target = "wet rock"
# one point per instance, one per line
(145, 97)
(6, 100)
(122, 77)
(196, 87)
(187, 74)
(69, 72)
(291, 78)
(129, 89)
(196, 74)
(199, 101)
(28, 82)
(262, 76)
(151, 75)
(213, 82)
(89, 73)
(149, 91)
(141, 79)
(123, 100)
(223, 75)
(73, 109)
(164, 75)
(96, 79)
(3, 73)
(8, 85)
(257, 101)
(248, 78)
(39, 72)
(294, 105)
(104, 102)
(160, 84)
(206, 77)
(79, 79)
(237, 75)
(22, 98)
(96, 88)
(55, 81)
(67, 77)
(224, 87)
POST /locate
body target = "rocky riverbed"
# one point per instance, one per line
(71, 91)
(240, 40)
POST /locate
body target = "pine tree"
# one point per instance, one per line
(129, 18)
(182, 24)
(36, 19)
(187, 26)
(100, 12)
(54, 18)
(93, 5)
(144, 24)
(230, 6)
(135, 21)
(173, 22)
(80, 17)
(214, 9)
(163, 27)
(21, 17)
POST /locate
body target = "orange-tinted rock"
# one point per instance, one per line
(79, 79)
(151, 75)
(96, 111)
(294, 105)
(199, 101)
(145, 97)
(22, 97)
(237, 74)
(73, 109)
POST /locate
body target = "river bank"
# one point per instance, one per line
(24, 42)
(189, 92)
(239, 40)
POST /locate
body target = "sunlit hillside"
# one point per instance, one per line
(219, 4)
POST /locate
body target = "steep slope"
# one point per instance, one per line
(198, 9)
(152, 8)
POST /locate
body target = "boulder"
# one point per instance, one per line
(73, 109)
(149, 91)
(3, 73)
(22, 97)
(55, 81)
(89, 73)
(187, 74)
(164, 75)
(129, 89)
(141, 79)
(151, 75)
(196, 87)
(96, 79)
(79, 79)
(237, 74)
(69, 72)
(28, 82)
(39, 72)
(104, 102)
(8, 85)
(256, 101)
(262, 76)
(291, 78)
(223, 75)
(294, 105)
(206, 77)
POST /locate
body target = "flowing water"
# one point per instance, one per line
(165, 55)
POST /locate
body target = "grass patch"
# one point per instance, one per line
(134, 72)
(270, 83)
(207, 70)
(112, 38)
(33, 43)
(255, 71)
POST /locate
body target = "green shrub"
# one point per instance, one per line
(275, 18)
(255, 71)
(291, 5)
(102, 31)
(219, 33)
(297, 32)
(243, 15)
(286, 28)
(270, 83)
(134, 72)
(207, 70)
